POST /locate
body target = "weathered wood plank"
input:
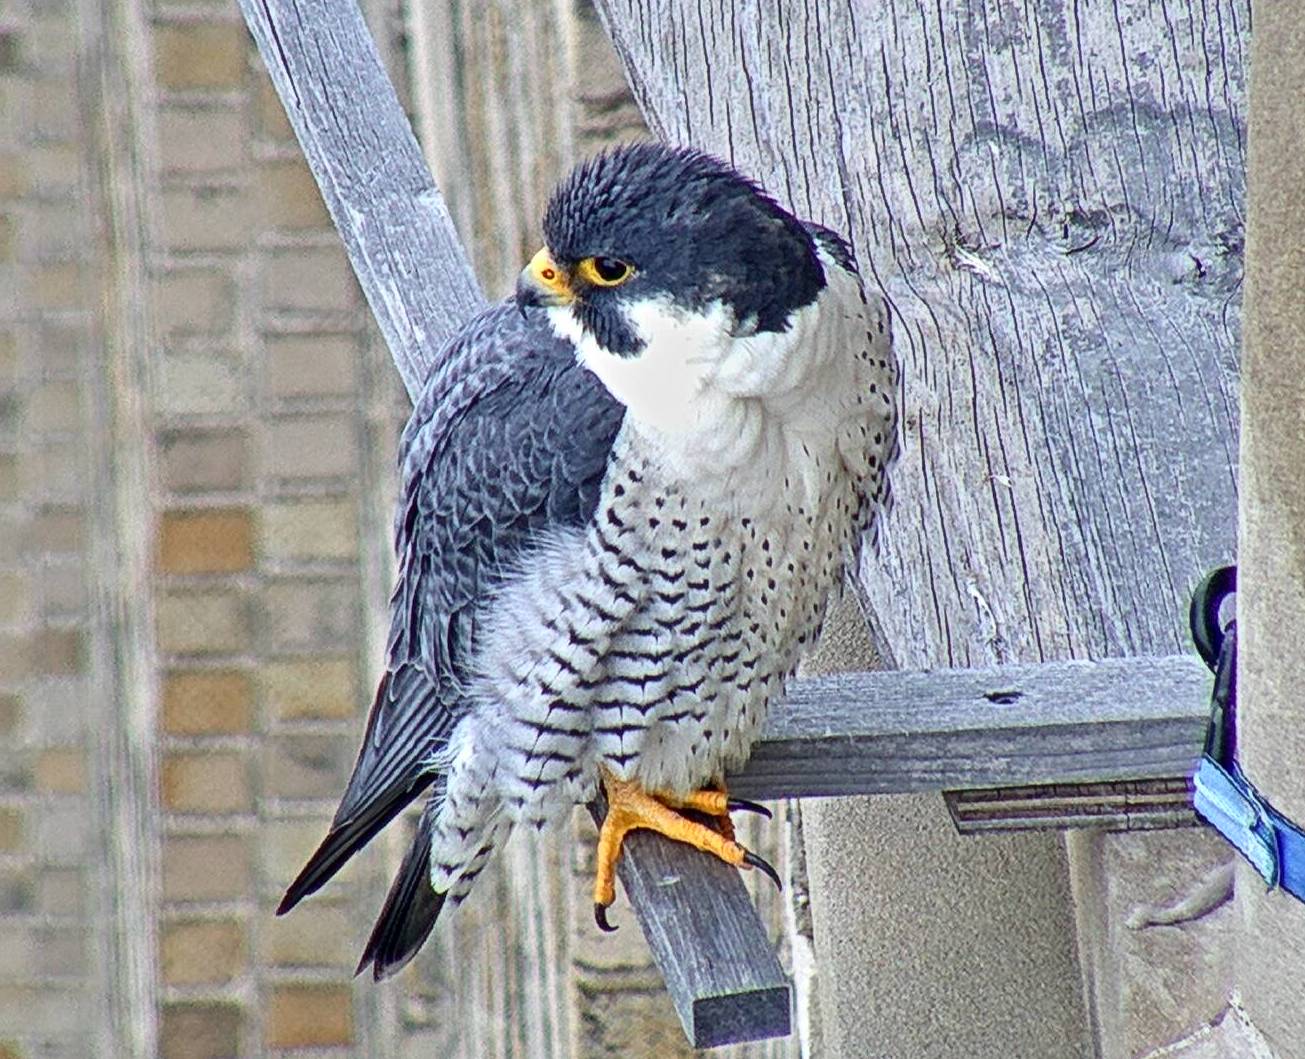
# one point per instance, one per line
(357, 140)
(121, 1014)
(1118, 805)
(1060, 722)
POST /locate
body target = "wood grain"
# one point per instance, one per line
(122, 1014)
(1053, 206)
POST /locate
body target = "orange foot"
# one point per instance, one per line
(630, 807)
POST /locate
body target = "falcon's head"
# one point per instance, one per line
(670, 270)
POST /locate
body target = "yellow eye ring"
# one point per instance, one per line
(604, 271)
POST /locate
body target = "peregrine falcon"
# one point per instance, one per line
(627, 495)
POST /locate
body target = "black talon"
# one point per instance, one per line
(734, 804)
(600, 916)
(753, 861)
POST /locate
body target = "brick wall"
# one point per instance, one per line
(46, 331)
(274, 414)
(270, 413)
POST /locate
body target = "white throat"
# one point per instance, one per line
(735, 409)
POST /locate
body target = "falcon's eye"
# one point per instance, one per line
(605, 271)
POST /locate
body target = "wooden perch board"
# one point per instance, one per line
(1009, 726)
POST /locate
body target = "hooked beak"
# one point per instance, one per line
(542, 283)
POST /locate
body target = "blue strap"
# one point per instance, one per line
(1224, 796)
(1272, 843)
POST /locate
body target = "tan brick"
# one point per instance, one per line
(199, 384)
(11, 829)
(206, 218)
(56, 652)
(11, 712)
(19, 953)
(63, 832)
(55, 472)
(288, 196)
(320, 446)
(317, 935)
(218, 702)
(15, 598)
(59, 344)
(202, 952)
(63, 589)
(15, 658)
(54, 167)
(8, 240)
(319, 688)
(205, 867)
(190, 55)
(18, 891)
(204, 460)
(62, 892)
(54, 531)
(56, 286)
(48, 232)
(206, 782)
(8, 360)
(314, 365)
(60, 954)
(306, 766)
(15, 177)
(47, 46)
(203, 622)
(269, 113)
(309, 1016)
(194, 301)
(54, 406)
(206, 542)
(41, 1011)
(10, 1050)
(205, 140)
(286, 845)
(309, 529)
(11, 476)
(312, 616)
(200, 1030)
(53, 115)
(309, 279)
(12, 406)
(61, 770)
(58, 712)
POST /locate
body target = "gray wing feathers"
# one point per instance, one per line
(510, 438)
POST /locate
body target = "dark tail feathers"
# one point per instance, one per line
(410, 911)
(347, 837)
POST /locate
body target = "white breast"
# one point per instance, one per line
(756, 421)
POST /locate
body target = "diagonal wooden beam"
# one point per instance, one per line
(359, 144)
